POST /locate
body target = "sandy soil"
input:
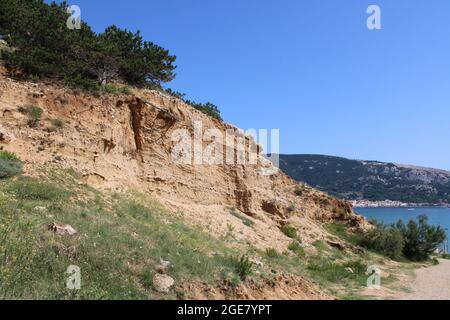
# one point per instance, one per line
(431, 283)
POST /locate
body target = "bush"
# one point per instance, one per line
(10, 165)
(34, 114)
(289, 231)
(272, 253)
(415, 240)
(385, 240)
(421, 239)
(243, 267)
(207, 108)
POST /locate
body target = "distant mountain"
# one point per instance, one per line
(369, 180)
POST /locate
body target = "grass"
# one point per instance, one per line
(289, 231)
(272, 253)
(246, 221)
(337, 272)
(340, 230)
(120, 239)
(320, 245)
(26, 188)
(10, 165)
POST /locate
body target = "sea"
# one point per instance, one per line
(436, 216)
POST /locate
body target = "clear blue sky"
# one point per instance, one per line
(310, 68)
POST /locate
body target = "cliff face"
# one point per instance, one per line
(126, 142)
(369, 180)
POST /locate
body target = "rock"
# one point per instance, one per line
(349, 270)
(40, 209)
(6, 137)
(62, 229)
(163, 266)
(162, 283)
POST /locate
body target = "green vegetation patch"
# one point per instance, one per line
(289, 231)
(119, 242)
(10, 165)
(34, 114)
(337, 272)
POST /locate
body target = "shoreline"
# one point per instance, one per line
(403, 207)
(395, 204)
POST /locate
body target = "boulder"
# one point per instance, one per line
(162, 283)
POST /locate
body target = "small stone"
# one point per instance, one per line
(62, 229)
(163, 266)
(40, 209)
(162, 283)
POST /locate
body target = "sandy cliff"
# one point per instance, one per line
(125, 142)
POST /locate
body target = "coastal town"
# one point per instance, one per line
(394, 204)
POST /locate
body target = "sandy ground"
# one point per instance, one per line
(431, 283)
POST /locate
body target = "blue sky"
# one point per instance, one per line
(310, 68)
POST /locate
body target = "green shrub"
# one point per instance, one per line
(10, 165)
(289, 231)
(34, 114)
(385, 240)
(82, 82)
(415, 240)
(244, 267)
(295, 247)
(272, 253)
(445, 256)
(207, 108)
(421, 239)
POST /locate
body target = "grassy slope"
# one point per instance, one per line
(121, 238)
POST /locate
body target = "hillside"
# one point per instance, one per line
(102, 165)
(369, 180)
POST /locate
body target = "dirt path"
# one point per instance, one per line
(432, 283)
